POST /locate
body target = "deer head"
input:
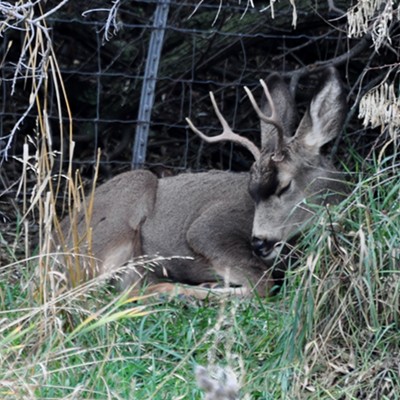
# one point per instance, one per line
(290, 170)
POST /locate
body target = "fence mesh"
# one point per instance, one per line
(209, 46)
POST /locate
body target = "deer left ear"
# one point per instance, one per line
(324, 119)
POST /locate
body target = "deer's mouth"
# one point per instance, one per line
(266, 249)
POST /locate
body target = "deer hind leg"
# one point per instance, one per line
(114, 262)
(134, 273)
(118, 224)
(109, 236)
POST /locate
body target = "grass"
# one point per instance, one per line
(332, 333)
(148, 351)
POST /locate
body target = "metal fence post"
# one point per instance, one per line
(149, 84)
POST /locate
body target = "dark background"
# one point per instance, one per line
(219, 47)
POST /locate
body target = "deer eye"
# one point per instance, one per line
(284, 189)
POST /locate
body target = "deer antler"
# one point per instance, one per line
(274, 119)
(227, 133)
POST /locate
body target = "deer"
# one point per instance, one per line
(220, 232)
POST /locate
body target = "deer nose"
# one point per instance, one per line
(263, 247)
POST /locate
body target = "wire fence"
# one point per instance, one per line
(102, 53)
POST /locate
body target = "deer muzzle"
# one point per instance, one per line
(264, 248)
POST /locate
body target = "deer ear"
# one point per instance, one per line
(285, 106)
(324, 119)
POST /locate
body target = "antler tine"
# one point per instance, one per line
(274, 119)
(227, 133)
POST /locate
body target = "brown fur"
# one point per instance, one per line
(210, 219)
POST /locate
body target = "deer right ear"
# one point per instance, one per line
(285, 107)
(324, 119)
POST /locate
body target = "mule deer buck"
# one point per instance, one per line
(227, 227)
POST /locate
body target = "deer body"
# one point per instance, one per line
(209, 221)
(227, 227)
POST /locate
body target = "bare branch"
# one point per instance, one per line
(112, 22)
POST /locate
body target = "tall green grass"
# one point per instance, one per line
(345, 306)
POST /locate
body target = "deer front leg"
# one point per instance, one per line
(221, 235)
(199, 292)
